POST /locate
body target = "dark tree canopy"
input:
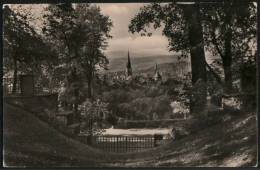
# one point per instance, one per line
(229, 31)
(80, 34)
(24, 49)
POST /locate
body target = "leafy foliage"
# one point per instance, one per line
(242, 24)
(93, 113)
(25, 50)
(146, 102)
(81, 33)
(229, 32)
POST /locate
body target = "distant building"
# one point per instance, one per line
(128, 72)
(157, 75)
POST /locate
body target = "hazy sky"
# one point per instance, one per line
(121, 15)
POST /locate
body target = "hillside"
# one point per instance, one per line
(139, 63)
(232, 143)
(31, 142)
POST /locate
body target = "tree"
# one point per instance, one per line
(96, 29)
(182, 27)
(80, 33)
(24, 49)
(199, 76)
(229, 32)
(58, 28)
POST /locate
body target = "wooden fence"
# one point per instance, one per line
(122, 144)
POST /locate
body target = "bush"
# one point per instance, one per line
(112, 119)
(93, 114)
(161, 104)
(153, 91)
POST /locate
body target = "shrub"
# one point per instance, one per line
(153, 91)
(93, 114)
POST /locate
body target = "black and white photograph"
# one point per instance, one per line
(131, 84)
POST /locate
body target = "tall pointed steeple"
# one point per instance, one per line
(128, 66)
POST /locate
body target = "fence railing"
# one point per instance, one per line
(8, 85)
(122, 144)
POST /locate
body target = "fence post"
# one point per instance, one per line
(126, 147)
(156, 138)
(126, 144)
(116, 144)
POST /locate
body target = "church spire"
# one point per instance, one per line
(128, 61)
(128, 65)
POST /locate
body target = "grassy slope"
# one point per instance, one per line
(31, 142)
(233, 143)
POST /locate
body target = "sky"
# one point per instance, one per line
(122, 41)
(121, 15)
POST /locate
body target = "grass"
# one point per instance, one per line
(230, 143)
(30, 142)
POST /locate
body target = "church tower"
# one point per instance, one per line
(128, 71)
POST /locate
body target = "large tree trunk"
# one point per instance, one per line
(227, 59)
(228, 78)
(198, 64)
(15, 75)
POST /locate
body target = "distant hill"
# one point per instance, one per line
(140, 63)
(171, 68)
(167, 65)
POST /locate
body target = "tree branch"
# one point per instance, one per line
(215, 43)
(217, 77)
